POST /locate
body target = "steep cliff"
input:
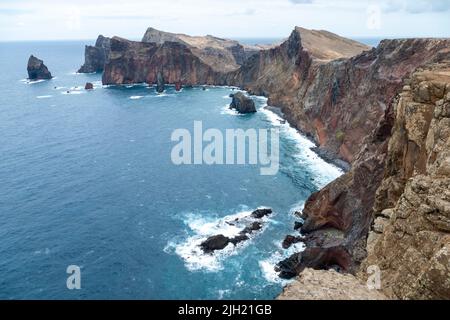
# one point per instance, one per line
(348, 106)
(223, 55)
(337, 102)
(96, 56)
(410, 239)
(140, 62)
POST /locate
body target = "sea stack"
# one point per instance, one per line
(89, 86)
(242, 103)
(37, 70)
(160, 85)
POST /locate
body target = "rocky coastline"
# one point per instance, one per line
(345, 97)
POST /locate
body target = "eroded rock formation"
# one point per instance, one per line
(223, 55)
(140, 62)
(96, 56)
(37, 70)
(242, 104)
(410, 239)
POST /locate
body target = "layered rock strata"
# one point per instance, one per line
(410, 239)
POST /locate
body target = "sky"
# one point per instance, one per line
(85, 19)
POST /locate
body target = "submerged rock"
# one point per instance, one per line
(255, 226)
(37, 70)
(242, 103)
(160, 84)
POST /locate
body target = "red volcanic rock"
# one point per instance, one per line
(89, 86)
(138, 62)
(178, 86)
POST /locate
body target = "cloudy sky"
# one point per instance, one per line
(85, 19)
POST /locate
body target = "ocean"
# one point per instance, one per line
(87, 180)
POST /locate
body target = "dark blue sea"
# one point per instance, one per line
(86, 179)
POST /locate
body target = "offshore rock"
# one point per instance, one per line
(37, 70)
(242, 103)
(160, 85)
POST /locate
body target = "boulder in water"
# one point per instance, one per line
(37, 70)
(242, 103)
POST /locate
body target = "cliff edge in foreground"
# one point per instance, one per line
(410, 239)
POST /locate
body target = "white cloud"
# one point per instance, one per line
(85, 19)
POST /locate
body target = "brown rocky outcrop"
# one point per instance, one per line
(410, 239)
(346, 204)
(140, 62)
(96, 56)
(337, 102)
(342, 95)
(223, 55)
(37, 70)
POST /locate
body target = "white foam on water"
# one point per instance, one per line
(136, 97)
(297, 207)
(201, 229)
(44, 97)
(72, 92)
(267, 266)
(28, 81)
(226, 110)
(323, 171)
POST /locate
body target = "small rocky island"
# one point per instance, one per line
(220, 242)
(242, 103)
(37, 70)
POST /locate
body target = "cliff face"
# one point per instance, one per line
(339, 102)
(96, 56)
(140, 62)
(346, 105)
(410, 239)
(222, 55)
